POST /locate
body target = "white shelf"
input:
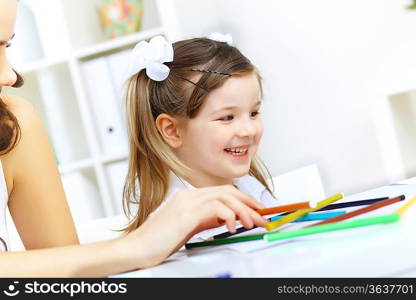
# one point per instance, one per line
(93, 50)
(76, 166)
(117, 43)
(90, 162)
(40, 65)
(114, 158)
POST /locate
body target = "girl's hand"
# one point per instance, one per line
(189, 212)
(216, 206)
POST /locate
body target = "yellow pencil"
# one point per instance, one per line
(300, 213)
(406, 206)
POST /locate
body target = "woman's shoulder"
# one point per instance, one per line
(31, 129)
(23, 110)
(30, 124)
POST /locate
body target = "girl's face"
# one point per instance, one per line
(220, 142)
(7, 20)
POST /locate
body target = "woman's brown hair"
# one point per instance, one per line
(9, 126)
(199, 66)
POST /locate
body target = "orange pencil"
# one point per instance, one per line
(283, 208)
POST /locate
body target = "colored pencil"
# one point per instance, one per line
(406, 206)
(346, 204)
(300, 213)
(228, 234)
(237, 239)
(283, 208)
(352, 203)
(314, 216)
(308, 217)
(360, 211)
(275, 236)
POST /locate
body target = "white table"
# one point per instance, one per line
(386, 250)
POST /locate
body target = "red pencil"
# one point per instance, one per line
(360, 211)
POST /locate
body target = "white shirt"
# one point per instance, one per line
(4, 197)
(247, 184)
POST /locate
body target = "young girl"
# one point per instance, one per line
(193, 119)
(30, 187)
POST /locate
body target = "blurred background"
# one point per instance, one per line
(339, 81)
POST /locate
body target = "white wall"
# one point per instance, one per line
(326, 65)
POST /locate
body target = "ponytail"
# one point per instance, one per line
(150, 158)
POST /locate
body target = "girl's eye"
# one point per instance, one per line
(8, 45)
(254, 114)
(227, 118)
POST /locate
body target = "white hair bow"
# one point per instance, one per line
(220, 37)
(152, 56)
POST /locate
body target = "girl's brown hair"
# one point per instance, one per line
(9, 126)
(199, 66)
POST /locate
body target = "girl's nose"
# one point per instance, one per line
(247, 128)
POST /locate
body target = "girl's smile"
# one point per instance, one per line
(240, 152)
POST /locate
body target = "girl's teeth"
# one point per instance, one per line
(236, 151)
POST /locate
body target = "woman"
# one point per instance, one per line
(30, 186)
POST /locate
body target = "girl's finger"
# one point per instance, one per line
(246, 199)
(224, 213)
(246, 215)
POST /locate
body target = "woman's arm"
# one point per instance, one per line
(88, 260)
(37, 201)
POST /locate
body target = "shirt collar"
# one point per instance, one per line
(250, 186)
(246, 184)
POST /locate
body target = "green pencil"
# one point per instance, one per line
(275, 236)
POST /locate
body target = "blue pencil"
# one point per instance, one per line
(314, 216)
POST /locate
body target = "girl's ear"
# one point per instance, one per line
(168, 128)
